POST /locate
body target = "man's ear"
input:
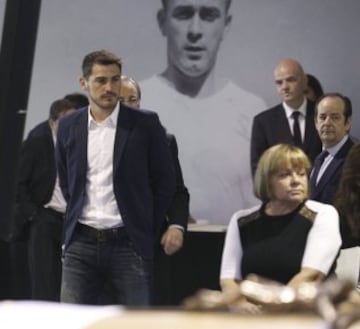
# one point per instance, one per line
(348, 124)
(227, 25)
(83, 83)
(161, 17)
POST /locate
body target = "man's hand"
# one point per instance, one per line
(172, 240)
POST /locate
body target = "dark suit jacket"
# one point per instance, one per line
(178, 212)
(143, 173)
(271, 127)
(36, 178)
(37, 171)
(329, 182)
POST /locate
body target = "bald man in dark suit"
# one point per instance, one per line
(277, 124)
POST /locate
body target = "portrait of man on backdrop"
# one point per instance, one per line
(208, 114)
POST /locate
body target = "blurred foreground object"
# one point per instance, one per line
(336, 301)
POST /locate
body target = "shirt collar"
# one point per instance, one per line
(334, 149)
(111, 120)
(289, 110)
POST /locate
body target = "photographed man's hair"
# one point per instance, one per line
(228, 3)
(101, 57)
(345, 99)
(58, 107)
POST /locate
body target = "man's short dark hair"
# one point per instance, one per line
(101, 57)
(228, 3)
(78, 100)
(345, 99)
(58, 107)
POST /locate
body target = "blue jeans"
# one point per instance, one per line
(88, 264)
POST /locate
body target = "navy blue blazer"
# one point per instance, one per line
(328, 184)
(178, 212)
(143, 173)
(271, 127)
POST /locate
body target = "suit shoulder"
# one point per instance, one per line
(39, 135)
(170, 137)
(264, 115)
(342, 153)
(40, 129)
(138, 113)
(73, 117)
(148, 114)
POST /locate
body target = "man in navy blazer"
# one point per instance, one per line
(276, 125)
(117, 176)
(333, 114)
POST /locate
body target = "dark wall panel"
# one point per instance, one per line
(16, 60)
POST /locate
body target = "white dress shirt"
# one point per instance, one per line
(100, 208)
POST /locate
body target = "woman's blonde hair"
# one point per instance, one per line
(274, 159)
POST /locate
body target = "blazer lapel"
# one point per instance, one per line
(338, 161)
(329, 173)
(281, 124)
(124, 126)
(81, 137)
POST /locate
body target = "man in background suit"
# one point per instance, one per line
(333, 114)
(177, 215)
(20, 279)
(118, 179)
(40, 203)
(276, 125)
(78, 100)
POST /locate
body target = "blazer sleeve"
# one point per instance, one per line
(28, 156)
(178, 212)
(162, 173)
